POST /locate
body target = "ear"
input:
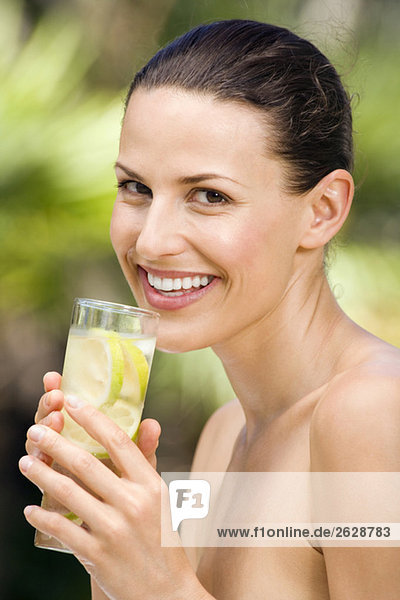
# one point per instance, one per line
(328, 207)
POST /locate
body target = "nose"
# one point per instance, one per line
(160, 235)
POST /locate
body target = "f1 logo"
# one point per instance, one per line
(188, 499)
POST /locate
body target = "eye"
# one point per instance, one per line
(135, 187)
(209, 197)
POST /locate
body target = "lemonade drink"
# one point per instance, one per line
(111, 372)
(107, 364)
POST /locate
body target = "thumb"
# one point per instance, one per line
(149, 433)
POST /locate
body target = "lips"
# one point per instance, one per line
(171, 290)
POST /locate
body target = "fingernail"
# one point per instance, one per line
(73, 401)
(36, 432)
(28, 510)
(25, 463)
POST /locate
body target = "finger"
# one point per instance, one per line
(49, 414)
(61, 488)
(49, 402)
(55, 525)
(98, 478)
(148, 439)
(124, 453)
(51, 381)
(55, 420)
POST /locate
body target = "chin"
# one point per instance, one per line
(175, 347)
(171, 341)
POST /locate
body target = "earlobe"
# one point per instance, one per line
(329, 205)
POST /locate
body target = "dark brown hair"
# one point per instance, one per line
(284, 76)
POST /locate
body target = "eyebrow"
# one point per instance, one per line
(191, 179)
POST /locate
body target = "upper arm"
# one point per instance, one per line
(356, 427)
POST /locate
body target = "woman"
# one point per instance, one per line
(233, 177)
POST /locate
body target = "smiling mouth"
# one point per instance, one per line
(178, 286)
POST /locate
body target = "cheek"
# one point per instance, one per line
(121, 231)
(263, 259)
(251, 248)
(114, 228)
(123, 236)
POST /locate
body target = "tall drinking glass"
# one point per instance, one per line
(107, 363)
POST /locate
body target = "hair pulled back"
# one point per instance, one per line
(284, 76)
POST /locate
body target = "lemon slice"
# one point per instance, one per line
(136, 373)
(93, 369)
(110, 373)
(124, 414)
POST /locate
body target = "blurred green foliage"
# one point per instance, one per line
(366, 281)
(376, 210)
(58, 142)
(63, 67)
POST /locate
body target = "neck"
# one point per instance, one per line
(295, 349)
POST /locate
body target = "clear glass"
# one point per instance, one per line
(107, 363)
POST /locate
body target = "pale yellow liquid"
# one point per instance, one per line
(146, 345)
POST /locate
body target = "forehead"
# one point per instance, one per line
(168, 125)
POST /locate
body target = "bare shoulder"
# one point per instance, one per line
(218, 438)
(355, 425)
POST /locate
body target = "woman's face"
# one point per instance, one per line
(202, 230)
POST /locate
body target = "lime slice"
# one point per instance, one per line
(73, 517)
(136, 373)
(124, 414)
(94, 368)
(110, 373)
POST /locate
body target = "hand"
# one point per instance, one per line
(120, 546)
(49, 414)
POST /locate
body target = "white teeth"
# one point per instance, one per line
(177, 284)
(167, 284)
